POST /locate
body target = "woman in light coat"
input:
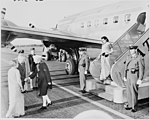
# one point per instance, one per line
(16, 98)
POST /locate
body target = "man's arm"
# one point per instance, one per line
(86, 64)
(141, 68)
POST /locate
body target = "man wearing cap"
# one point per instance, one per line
(83, 67)
(133, 75)
(33, 82)
(44, 79)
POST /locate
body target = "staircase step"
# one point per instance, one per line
(109, 89)
(97, 91)
(106, 96)
(101, 93)
(91, 84)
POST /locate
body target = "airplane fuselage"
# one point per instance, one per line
(111, 21)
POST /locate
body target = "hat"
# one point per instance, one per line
(133, 47)
(37, 58)
(21, 59)
(82, 49)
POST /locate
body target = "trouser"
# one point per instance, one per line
(46, 100)
(34, 82)
(82, 78)
(132, 90)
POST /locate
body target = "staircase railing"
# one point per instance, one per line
(133, 44)
(117, 69)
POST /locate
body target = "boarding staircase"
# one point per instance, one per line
(116, 92)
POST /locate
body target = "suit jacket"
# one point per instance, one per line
(22, 70)
(43, 76)
(137, 64)
(31, 63)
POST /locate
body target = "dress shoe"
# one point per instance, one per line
(82, 91)
(43, 108)
(126, 106)
(25, 107)
(133, 110)
(35, 88)
(49, 104)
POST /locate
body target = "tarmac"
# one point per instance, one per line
(67, 101)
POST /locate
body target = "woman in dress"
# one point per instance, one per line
(16, 98)
(105, 60)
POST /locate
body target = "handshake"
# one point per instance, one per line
(27, 79)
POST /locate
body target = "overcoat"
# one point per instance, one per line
(43, 76)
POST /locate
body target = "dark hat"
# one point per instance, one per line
(21, 51)
(82, 49)
(133, 47)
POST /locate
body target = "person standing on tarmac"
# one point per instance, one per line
(83, 68)
(44, 80)
(33, 82)
(133, 75)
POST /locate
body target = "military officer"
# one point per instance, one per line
(134, 68)
(83, 68)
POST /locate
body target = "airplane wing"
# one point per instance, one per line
(11, 31)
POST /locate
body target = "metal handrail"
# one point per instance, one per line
(123, 34)
(133, 44)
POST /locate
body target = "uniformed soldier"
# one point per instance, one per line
(133, 75)
(83, 68)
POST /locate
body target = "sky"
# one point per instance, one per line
(45, 14)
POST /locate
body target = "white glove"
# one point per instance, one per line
(124, 79)
(85, 72)
(30, 73)
(139, 82)
(49, 83)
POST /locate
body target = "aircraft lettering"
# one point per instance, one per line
(146, 43)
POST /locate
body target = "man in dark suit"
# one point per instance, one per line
(44, 80)
(33, 82)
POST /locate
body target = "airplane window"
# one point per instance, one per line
(127, 17)
(105, 21)
(82, 25)
(89, 24)
(96, 23)
(115, 19)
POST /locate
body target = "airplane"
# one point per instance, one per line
(81, 30)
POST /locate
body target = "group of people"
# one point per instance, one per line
(33, 70)
(133, 74)
(26, 74)
(104, 57)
